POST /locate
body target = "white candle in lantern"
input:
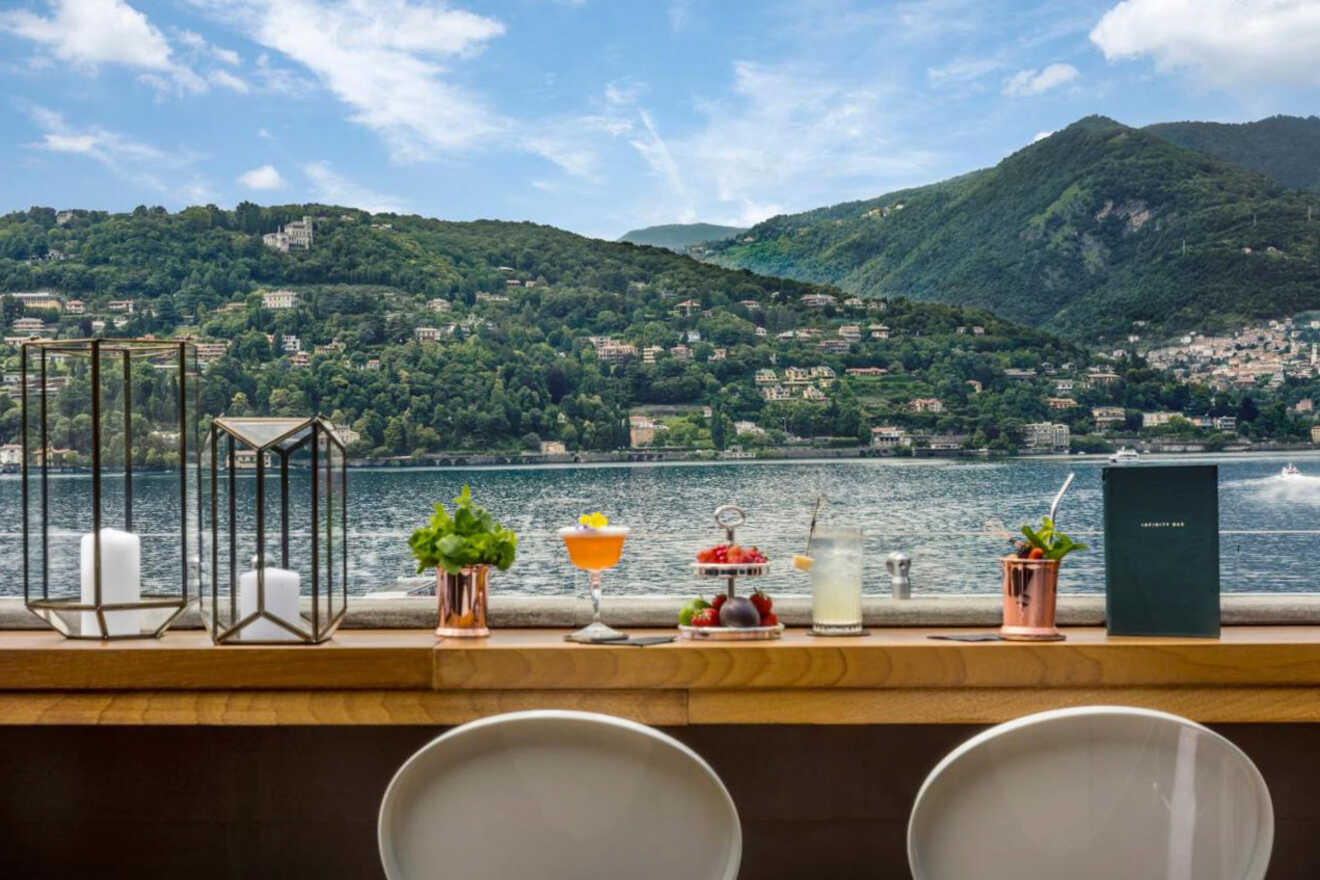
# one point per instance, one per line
(282, 590)
(121, 581)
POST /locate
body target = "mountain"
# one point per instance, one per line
(427, 336)
(679, 236)
(1284, 148)
(1084, 232)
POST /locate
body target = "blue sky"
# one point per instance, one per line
(599, 115)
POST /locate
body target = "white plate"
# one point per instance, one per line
(731, 633)
(730, 569)
(1093, 793)
(557, 795)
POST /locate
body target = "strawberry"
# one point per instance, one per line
(706, 617)
(1036, 553)
(706, 555)
(770, 619)
(762, 603)
(718, 601)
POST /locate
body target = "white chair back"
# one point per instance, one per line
(557, 795)
(1093, 793)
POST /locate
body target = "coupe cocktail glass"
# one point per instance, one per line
(836, 581)
(594, 550)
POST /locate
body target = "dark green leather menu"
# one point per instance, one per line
(1162, 550)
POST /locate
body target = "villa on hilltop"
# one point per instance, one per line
(296, 235)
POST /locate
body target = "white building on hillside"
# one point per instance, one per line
(279, 299)
(296, 235)
(1046, 437)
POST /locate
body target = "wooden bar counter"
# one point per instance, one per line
(894, 676)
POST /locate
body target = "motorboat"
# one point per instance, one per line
(1290, 470)
(1125, 454)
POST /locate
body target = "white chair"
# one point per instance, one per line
(1090, 793)
(554, 794)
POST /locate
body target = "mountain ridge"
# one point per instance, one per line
(1284, 148)
(679, 236)
(1085, 232)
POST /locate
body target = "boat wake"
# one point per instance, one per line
(1297, 489)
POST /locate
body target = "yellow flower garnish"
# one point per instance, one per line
(593, 520)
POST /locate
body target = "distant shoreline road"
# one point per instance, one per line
(791, 454)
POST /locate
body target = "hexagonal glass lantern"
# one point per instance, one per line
(277, 524)
(111, 484)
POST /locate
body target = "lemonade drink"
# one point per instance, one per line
(836, 581)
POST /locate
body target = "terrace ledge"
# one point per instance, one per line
(898, 675)
(508, 611)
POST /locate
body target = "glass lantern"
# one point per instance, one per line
(277, 521)
(111, 484)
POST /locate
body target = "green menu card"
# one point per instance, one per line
(1162, 550)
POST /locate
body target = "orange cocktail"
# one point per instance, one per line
(594, 548)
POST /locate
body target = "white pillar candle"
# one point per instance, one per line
(121, 581)
(282, 590)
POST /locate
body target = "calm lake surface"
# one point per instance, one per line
(941, 512)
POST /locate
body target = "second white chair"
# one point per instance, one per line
(557, 795)
(1093, 793)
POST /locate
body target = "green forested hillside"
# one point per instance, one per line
(1285, 148)
(680, 236)
(429, 336)
(1083, 232)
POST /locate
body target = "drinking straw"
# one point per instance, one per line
(1057, 498)
(811, 532)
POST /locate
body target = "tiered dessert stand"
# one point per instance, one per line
(729, 517)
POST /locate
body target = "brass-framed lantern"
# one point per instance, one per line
(277, 526)
(111, 478)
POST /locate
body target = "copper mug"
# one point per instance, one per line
(1030, 589)
(463, 601)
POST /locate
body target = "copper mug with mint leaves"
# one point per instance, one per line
(1031, 579)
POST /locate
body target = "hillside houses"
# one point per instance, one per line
(1107, 416)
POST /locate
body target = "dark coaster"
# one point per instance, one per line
(970, 637)
(811, 632)
(639, 642)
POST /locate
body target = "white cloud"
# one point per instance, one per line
(228, 80)
(657, 154)
(1040, 136)
(265, 177)
(1035, 82)
(384, 60)
(333, 188)
(169, 172)
(961, 71)
(1229, 43)
(680, 14)
(91, 33)
(576, 144)
(782, 133)
(198, 44)
(623, 92)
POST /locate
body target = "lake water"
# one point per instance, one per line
(941, 512)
